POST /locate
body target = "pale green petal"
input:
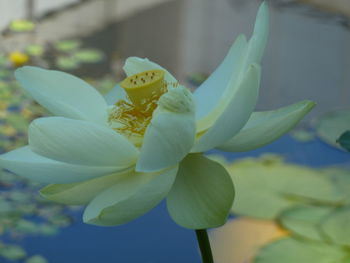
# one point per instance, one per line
(210, 92)
(170, 135)
(235, 115)
(134, 65)
(63, 94)
(202, 194)
(129, 198)
(81, 193)
(24, 162)
(116, 94)
(264, 127)
(80, 142)
(250, 54)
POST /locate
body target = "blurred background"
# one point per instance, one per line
(307, 57)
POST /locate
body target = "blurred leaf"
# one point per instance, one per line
(12, 252)
(302, 135)
(291, 250)
(337, 226)
(304, 220)
(35, 50)
(344, 140)
(331, 125)
(22, 25)
(67, 45)
(89, 55)
(265, 187)
(36, 259)
(67, 63)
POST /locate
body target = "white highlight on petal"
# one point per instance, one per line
(63, 94)
(80, 142)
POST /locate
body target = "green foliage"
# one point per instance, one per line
(344, 140)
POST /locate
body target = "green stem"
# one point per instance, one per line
(204, 245)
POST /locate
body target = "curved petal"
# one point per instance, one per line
(210, 92)
(129, 198)
(83, 192)
(264, 127)
(24, 162)
(63, 94)
(171, 133)
(202, 194)
(251, 54)
(134, 65)
(116, 94)
(235, 115)
(80, 142)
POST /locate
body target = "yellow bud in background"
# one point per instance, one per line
(18, 58)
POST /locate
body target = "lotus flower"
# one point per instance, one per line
(121, 155)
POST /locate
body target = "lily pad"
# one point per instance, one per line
(89, 55)
(36, 259)
(265, 187)
(35, 50)
(337, 226)
(304, 220)
(67, 63)
(22, 25)
(67, 45)
(291, 250)
(331, 125)
(12, 252)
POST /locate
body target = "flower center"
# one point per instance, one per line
(132, 117)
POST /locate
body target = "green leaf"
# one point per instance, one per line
(35, 50)
(337, 226)
(22, 25)
(12, 252)
(202, 194)
(291, 250)
(344, 140)
(331, 125)
(67, 45)
(266, 186)
(304, 220)
(88, 55)
(67, 63)
(36, 259)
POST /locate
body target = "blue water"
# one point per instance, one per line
(154, 238)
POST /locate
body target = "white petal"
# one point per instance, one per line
(25, 163)
(83, 192)
(264, 127)
(209, 94)
(80, 142)
(134, 65)
(63, 94)
(235, 115)
(129, 198)
(169, 137)
(116, 94)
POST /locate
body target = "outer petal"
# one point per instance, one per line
(208, 95)
(63, 94)
(116, 94)
(24, 162)
(134, 65)
(235, 115)
(81, 193)
(202, 194)
(170, 135)
(129, 198)
(80, 142)
(250, 55)
(264, 127)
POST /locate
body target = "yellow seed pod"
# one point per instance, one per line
(144, 86)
